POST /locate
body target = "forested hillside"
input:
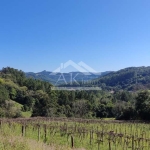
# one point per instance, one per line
(19, 95)
(14, 86)
(131, 79)
(54, 78)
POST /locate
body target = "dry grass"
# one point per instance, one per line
(20, 143)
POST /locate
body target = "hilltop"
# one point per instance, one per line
(131, 79)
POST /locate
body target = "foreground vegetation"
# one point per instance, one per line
(11, 142)
(25, 97)
(25, 134)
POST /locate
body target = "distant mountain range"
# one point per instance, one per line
(63, 78)
(131, 79)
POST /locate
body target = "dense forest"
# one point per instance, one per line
(131, 79)
(128, 79)
(19, 95)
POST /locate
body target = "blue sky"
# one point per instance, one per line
(38, 35)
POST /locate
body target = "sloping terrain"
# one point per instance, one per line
(133, 78)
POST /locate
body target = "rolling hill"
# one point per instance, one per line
(133, 78)
(58, 78)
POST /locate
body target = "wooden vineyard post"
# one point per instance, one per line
(102, 134)
(23, 130)
(92, 133)
(39, 133)
(90, 137)
(0, 124)
(132, 142)
(72, 142)
(45, 133)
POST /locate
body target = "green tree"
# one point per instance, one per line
(143, 105)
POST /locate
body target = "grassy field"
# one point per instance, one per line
(19, 107)
(63, 134)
